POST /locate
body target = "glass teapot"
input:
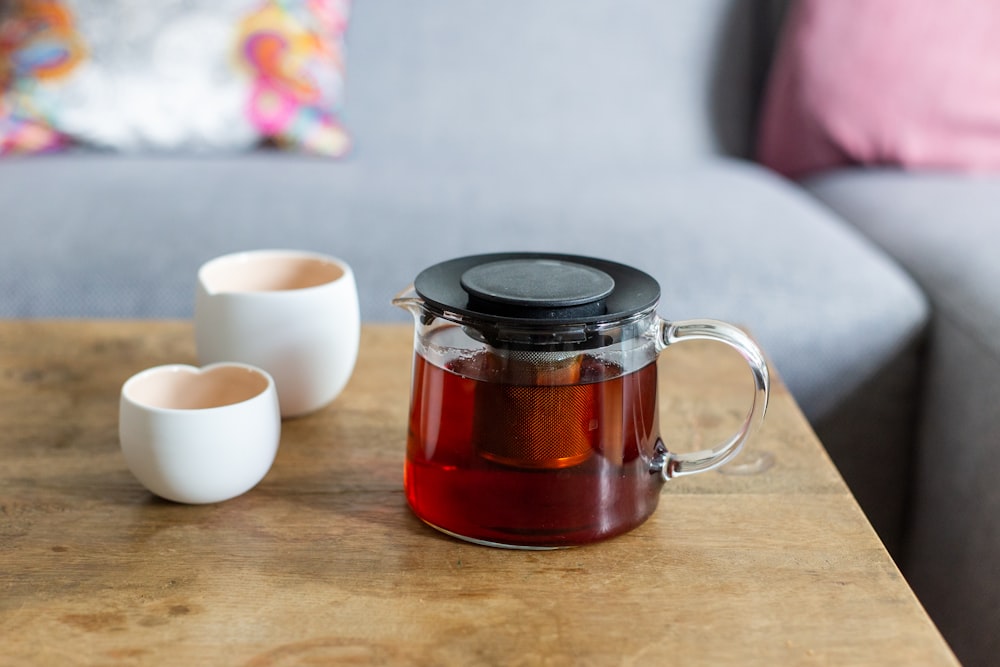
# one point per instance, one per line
(533, 417)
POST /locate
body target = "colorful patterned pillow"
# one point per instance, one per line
(193, 75)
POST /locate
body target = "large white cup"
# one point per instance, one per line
(292, 313)
(199, 435)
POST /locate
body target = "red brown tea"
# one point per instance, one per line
(532, 462)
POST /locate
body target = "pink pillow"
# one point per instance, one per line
(909, 83)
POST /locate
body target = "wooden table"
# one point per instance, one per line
(323, 562)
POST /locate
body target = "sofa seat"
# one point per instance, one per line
(943, 229)
(725, 238)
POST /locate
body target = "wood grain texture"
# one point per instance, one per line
(323, 563)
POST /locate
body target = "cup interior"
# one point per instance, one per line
(187, 388)
(268, 272)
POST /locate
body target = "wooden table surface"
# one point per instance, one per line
(322, 563)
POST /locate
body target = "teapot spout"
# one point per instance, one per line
(409, 300)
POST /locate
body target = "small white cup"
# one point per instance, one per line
(199, 435)
(294, 314)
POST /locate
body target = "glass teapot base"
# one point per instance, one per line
(498, 545)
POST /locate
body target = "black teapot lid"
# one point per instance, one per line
(536, 289)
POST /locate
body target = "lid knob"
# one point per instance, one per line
(537, 288)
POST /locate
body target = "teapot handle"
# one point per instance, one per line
(672, 465)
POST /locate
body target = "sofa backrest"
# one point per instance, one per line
(474, 81)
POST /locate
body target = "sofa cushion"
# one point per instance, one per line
(123, 237)
(193, 75)
(893, 82)
(480, 81)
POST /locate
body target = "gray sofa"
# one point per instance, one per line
(621, 130)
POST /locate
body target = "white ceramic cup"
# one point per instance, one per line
(199, 435)
(292, 313)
